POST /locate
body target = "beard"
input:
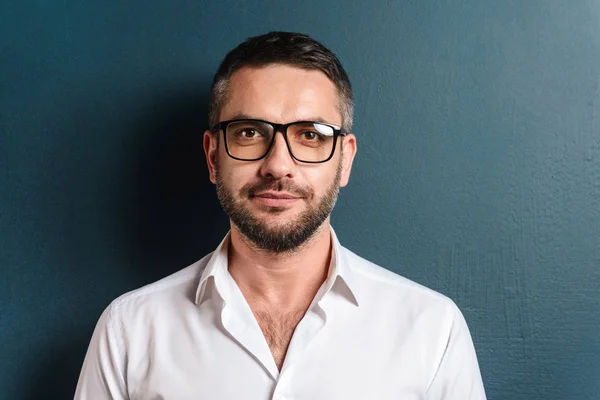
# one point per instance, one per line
(289, 236)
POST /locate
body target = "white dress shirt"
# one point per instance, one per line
(369, 334)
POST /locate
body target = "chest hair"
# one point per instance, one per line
(278, 328)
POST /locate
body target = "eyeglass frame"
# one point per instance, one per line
(222, 126)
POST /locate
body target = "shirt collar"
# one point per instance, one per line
(215, 266)
(339, 270)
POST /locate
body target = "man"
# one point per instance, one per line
(280, 310)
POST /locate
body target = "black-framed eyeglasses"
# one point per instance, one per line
(252, 139)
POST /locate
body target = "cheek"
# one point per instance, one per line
(320, 179)
(234, 176)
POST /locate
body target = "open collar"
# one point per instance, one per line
(339, 269)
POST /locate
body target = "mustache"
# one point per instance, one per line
(251, 189)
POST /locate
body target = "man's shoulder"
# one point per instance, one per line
(385, 285)
(179, 287)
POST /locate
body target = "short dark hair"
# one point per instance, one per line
(287, 48)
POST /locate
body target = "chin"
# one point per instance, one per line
(277, 218)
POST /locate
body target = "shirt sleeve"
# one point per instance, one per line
(101, 376)
(458, 376)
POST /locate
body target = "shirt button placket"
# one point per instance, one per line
(282, 383)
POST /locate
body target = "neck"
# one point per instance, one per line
(281, 281)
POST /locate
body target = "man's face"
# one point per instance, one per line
(277, 202)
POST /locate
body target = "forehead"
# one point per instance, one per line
(281, 94)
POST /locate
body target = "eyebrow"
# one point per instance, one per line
(313, 119)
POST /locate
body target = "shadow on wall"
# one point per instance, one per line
(173, 212)
(164, 214)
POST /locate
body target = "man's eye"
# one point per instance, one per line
(309, 135)
(249, 133)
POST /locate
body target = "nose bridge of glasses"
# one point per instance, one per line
(282, 141)
(282, 128)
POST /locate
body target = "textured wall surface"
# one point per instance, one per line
(478, 171)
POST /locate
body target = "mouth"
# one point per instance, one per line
(275, 199)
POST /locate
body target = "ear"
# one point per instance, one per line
(211, 151)
(348, 153)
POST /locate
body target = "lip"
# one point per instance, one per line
(276, 195)
(275, 199)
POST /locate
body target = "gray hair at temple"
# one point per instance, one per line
(287, 48)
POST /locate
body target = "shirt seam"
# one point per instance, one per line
(444, 353)
(112, 315)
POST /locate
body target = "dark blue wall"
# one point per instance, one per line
(478, 171)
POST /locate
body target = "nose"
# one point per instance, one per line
(278, 163)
